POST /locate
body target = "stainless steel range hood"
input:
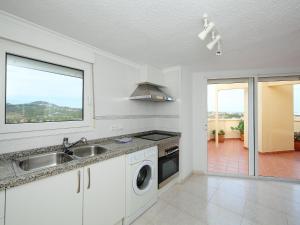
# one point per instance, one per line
(150, 92)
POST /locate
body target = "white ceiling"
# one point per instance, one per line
(256, 34)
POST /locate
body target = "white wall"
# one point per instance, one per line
(19, 30)
(177, 116)
(114, 83)
(114, 113)
(168, 112)
(199, 123)
(186, 124)
(114, 80)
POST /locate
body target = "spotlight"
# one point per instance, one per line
(206, 31)
(219, 50)
(212, 44)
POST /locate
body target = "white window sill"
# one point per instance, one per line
(43, 133)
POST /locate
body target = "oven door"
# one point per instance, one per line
(167, 166)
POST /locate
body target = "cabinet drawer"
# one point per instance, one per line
(2, 205)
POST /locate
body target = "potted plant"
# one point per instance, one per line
(213, 135)
(240, 128)
(221, 135)
(297, 141)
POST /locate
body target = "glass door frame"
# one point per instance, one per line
(251, 113)
(256, 80)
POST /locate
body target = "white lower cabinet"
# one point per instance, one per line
(104, 192)
(93, 195)
(2, 204)
(54, 200)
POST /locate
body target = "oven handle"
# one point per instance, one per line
(172, 151)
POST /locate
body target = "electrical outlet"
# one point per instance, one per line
(116, 127)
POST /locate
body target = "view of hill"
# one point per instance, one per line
(39, 111)
(226, 115)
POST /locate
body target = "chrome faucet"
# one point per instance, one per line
(67, 145)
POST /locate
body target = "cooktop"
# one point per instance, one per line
(155, 136)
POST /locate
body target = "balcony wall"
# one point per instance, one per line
(226, 124)
(275, 117)
(297, 124)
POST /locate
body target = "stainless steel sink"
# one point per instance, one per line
(87, 151)
(42, 161)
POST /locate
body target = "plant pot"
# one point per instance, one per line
(297, 145)
(242, 137)
(221, 138)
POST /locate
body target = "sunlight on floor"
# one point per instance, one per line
(211, 200)
(232, 158)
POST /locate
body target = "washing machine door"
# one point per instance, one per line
(143, 177)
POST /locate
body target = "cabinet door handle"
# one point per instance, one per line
(79, 179)
(89, 178)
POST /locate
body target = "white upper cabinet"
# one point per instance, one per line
(2, 205)
(152, 75)
(54, 200)
(104, 192)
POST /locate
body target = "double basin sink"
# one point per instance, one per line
(42, 161)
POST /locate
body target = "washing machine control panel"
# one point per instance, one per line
(141, 155)
(150, 151)
(136, 157)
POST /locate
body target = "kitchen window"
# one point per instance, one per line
(38, 91)
(43, 93)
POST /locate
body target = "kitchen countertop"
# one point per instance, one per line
(11, 178)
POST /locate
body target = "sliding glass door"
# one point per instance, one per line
(227, 126)
(253, 127)
(278, 127)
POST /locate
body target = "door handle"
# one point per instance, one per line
(89, 178)
(79, 180)
(205, 127)
(172, 151)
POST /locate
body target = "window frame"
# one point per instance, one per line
(50, 63)
(9, 131)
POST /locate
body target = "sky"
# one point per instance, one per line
(233, 100)
(27, 85)
(230, 101)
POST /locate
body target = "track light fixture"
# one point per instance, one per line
(206, 31)
(209, 27)
(212, 44)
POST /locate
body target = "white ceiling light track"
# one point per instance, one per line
(209, 27)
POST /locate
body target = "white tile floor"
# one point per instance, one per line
(210, 200)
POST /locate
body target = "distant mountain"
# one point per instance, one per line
(40, 111)
(226, 115)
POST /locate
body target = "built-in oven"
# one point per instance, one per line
(168, 164)
(168, 155)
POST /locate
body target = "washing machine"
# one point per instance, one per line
(141, 182)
